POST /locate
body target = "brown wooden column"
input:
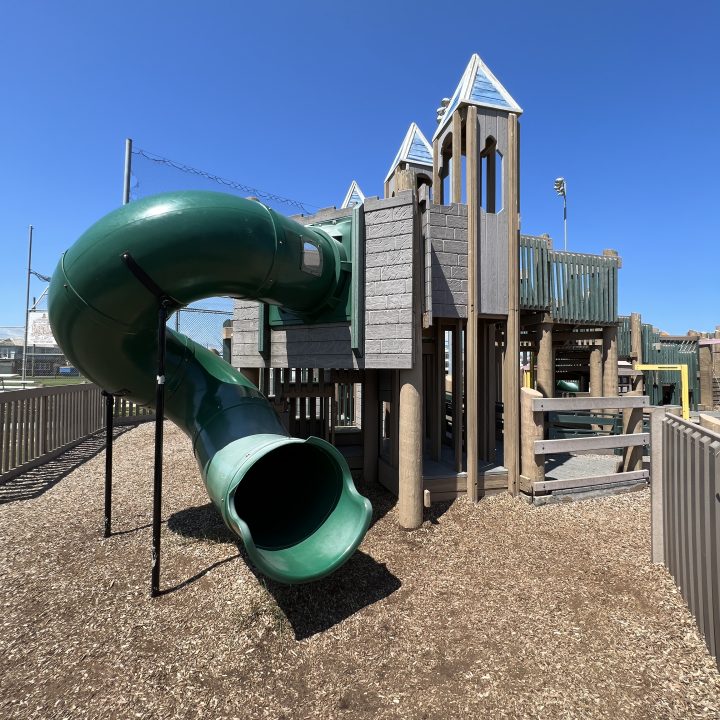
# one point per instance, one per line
(438, 396)
(457, 391)
(437, 187)
(471, 399)
(546, 360)
(370, 428)
(456, 162)
(596, 371)
(610, 361)
(636, 337)
(511, 362)
(706, 376)
(410, 426)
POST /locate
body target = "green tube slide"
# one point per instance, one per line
(292, 501)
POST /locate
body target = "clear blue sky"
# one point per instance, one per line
(620, 97)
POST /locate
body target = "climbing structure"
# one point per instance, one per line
(449, 301)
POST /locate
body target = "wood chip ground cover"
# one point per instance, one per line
(496, 610)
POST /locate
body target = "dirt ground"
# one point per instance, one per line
(497, 610)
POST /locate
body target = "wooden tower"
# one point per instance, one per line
(475, 153)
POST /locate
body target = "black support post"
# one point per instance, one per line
(109, 416)
(159, 417)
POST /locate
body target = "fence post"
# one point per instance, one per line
(657, 530)
(632, 423)
(532, 428)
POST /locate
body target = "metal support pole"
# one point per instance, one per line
(159, 416)
(27, 304)
(109, 417)
(128, 171)
(565, 215)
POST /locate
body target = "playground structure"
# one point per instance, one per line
(413, 312)
(452, 298)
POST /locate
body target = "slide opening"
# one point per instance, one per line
(288, 494)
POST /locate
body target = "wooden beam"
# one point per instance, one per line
(437, 186)
(511, 369)
(410, 421)
(546, 361)
(471, 399)
(589, 481)
(438, 409)
(590, 403)
(549, 447)
(610, 362)
(531, 430)
(457, 395)
(456, 161)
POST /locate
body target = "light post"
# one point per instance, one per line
(561, 189)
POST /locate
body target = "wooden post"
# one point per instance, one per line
(456, 161)
(410, 426)
(511, 368)
(632, 423)
(457, 391)
(532, 466)
(438, 409)
(610, 362)
(706, 376)
(636, 338)
(437, 186)
(546, 360)
(596, 372)
(491, 378)
(657, 535)
(370, 415)
(471, 398)
(404, 180)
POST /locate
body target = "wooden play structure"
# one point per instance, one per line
(450, 300)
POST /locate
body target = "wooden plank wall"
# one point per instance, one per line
(691, 520)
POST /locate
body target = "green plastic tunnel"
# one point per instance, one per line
(292, 501)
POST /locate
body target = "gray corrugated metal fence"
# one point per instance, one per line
(688, 511)
(38, 424)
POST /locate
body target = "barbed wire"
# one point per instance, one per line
(260, 194)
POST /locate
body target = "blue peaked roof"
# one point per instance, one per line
(478, 86)
(414, 149)
(354, 196)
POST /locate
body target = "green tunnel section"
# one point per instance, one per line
(292, 501)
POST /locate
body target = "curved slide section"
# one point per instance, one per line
(292, 501)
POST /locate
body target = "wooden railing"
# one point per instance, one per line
(534, 446)
(686, 515)
(534, 273)
(572, 287)
(37, 424)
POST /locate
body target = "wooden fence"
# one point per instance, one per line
(37, 424)
(535, 447)
(686, 515)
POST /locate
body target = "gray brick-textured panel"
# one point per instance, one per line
(446, 231)
(389, 232)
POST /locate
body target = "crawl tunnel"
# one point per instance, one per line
(291, 501)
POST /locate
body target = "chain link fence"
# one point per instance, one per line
(203, 321)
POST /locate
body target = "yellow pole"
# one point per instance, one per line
(685, 392)
(684, 383)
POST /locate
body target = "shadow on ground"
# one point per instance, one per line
(310, 608)
(33, 483)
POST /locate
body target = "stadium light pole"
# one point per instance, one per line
(561, 189)
(27, 304)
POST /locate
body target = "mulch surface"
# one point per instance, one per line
(493, 610)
